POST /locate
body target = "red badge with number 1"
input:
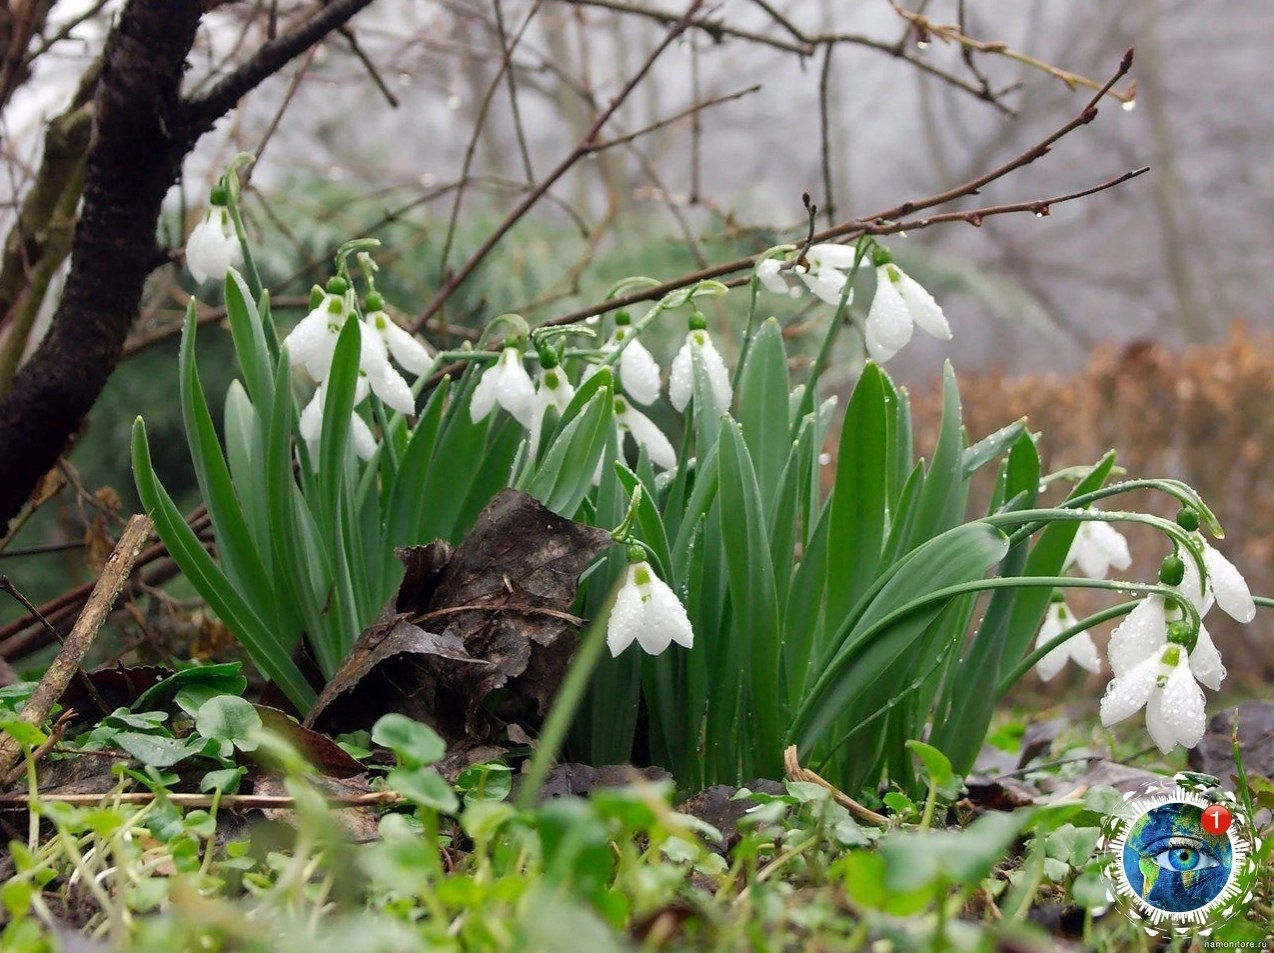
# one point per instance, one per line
(1216, 819)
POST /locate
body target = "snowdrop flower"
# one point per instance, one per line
(313, 341)
(646, 610)
(899, 304)
(506, 383)
(407, 351)
(374, 367)
(1225, 584)
(552, 389)
(825, 274)
(637, 371)
(1097, 547)
(312, 424)
(1163, 682)
(767, 271)
(644, 433)
(681, 381)
(1079, 648)
(213, 247)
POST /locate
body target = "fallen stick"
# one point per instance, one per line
(796, 773)
(81, 637)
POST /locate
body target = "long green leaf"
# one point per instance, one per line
(265, 649)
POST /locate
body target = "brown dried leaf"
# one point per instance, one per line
(493, 614)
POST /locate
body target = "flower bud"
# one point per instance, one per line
(622, 317)
(1172, 570)
(1188, 518)
(375, 302)
(880, 256)
(336, 285)
(1181, 632)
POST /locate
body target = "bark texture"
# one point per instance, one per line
(139, 139)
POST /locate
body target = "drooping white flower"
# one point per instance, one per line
(312, 423)
(213, 247)
(637, 371)
(552, 389)
(1078, 648)
(648, 611)
(506, 383)
(407, 351)
(769, 273)
(825, 274)
(313, 341)
(1164, 683)
(899, 304)
(1226, 584)
(681, 380)
(1097, 547)
(386, 383)
(645, 433)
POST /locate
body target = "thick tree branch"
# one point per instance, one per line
(139, 140)
(142, 132)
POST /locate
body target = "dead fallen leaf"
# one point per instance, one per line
(322, 753)
(492, 616)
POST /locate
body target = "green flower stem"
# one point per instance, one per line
(1181, 492)
(249, 262)
(1028, 663)
(1030, 522)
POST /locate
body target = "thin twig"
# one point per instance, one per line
(519, 133)
(581, 149)
(792, 767)
(69, 659)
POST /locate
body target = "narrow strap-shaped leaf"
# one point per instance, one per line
(248, 331)
(338, 407)
(942, 500)
(752, 588)
(763, 412)
(266, 650)
(857, 528)
(240, 560)
(408, 500)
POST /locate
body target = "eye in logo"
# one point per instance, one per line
(1181, 858)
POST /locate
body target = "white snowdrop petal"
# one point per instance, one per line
(1110, 543)
(1228, 586)
(639, 373)
(1127, 693)
(407, 351)
(877, 351)
(361, 434)
(390, 387)
(1175, 714)
(828, 285)
(1142, 634)
(1205, 661)
(718, 375)
(1084, 652)
(925, 311)
(514, 389)
(483, 400)
(830, 255)
(1051, 664)
(625, 618)
(304, 339)
(1193, 587)
(681, 378)
(888, 319)
(648, 435)
(312, 417)
(665, 612)
(769, 275)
